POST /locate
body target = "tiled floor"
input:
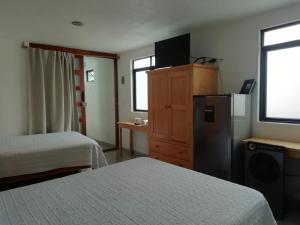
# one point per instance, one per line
(114, 157)
(105, 146)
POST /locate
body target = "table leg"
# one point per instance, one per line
(120, 142)
(131, 141)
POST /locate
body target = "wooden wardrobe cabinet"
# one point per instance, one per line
(170, 111)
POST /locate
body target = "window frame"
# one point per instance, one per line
(134, 71)
(263, 73)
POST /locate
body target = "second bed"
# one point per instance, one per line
(24, 157)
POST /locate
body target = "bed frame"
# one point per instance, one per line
(23, 180)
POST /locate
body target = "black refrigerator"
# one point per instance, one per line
(221, 122)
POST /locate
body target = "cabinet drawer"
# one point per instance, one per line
(177, 162)
(170, 150)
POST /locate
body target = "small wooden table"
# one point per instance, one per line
(132, 127)
(292, 148)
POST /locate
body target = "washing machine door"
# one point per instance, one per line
(264, 167)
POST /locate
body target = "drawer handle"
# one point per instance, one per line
(156, 146)
(180, 152)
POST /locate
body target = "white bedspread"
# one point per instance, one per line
(139, 191)
(29, 154)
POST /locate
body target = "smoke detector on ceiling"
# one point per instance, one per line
(77, 23)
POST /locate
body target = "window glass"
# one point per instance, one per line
(283, 83)
(153, 61)
(141, 63)
(140, 82)
(285, 34)
(141, 90)
(280, 75)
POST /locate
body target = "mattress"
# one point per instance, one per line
(21, 155)
(138, 191)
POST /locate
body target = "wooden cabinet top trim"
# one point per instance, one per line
(188, 66)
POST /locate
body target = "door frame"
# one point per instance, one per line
(81, 88)
(82, 52)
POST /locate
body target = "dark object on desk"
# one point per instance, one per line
(206, 60)
(248, 87)
(265, 172)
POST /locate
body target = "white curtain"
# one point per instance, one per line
(52, 92)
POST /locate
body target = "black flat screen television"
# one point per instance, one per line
(172, 52)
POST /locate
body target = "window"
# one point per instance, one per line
(280, 74)
(140, 82)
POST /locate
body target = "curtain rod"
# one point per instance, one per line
(75, 51)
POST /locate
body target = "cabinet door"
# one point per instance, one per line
(158, 104)
(180, 95)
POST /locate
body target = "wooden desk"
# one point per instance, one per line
(292, 148)
(132, 127)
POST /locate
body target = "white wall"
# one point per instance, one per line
(238, 43)
(125, 97)
(13, 88)
(100, 110)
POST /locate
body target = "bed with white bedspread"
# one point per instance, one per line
(139, 191)
(31, 154)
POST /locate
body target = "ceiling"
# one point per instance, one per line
(117, 25)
